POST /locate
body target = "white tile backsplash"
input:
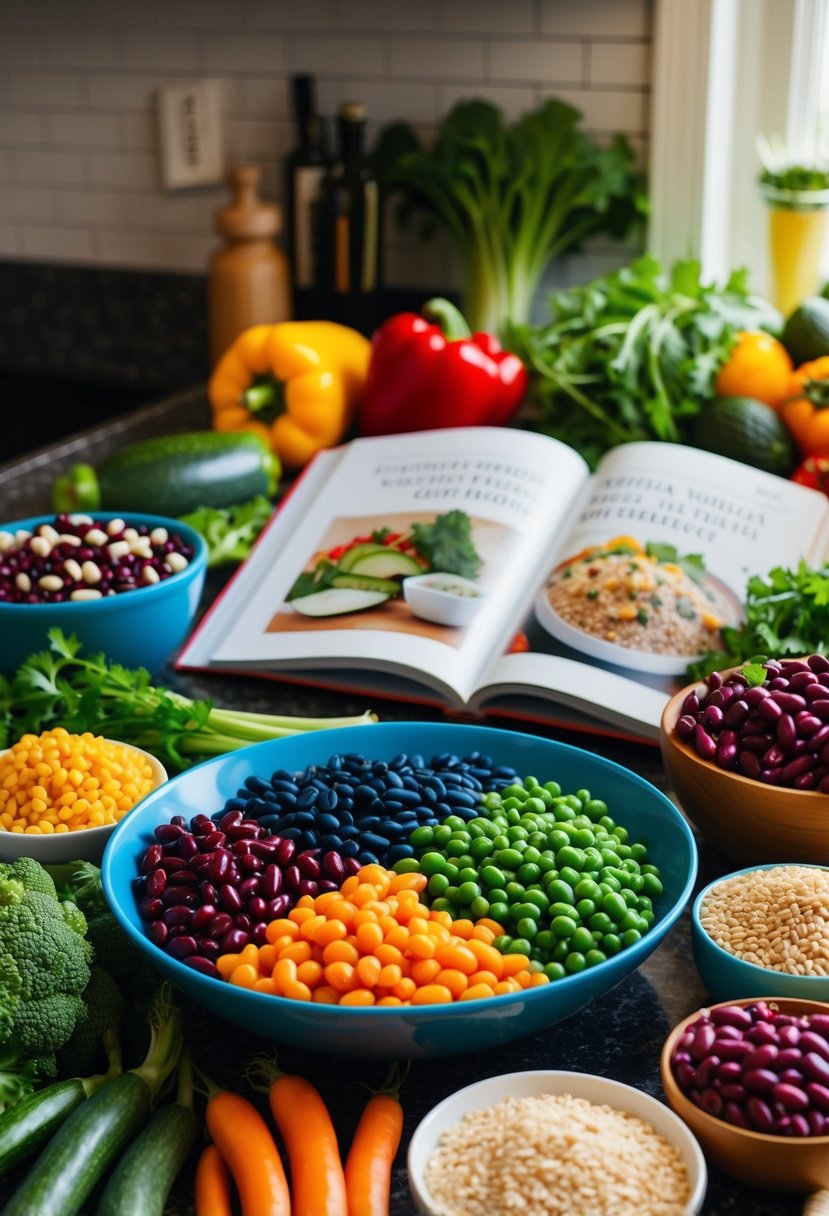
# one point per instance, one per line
(79, 147)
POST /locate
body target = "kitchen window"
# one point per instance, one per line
(724, 71)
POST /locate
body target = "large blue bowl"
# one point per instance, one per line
(138, 628)
(403, 1031)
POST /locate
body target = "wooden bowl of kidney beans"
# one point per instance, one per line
(747, 754)
(751, 1079)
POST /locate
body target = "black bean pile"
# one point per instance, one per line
(367, 809)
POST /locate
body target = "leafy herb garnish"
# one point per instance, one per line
(692, 563)
(447, 544)
(786, 616)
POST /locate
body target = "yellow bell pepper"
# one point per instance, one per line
(295, 383)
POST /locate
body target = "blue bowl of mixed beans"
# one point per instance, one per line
(575, 866)
(125, 584)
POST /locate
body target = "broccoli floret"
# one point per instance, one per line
(44, 967)
(105, 1008)
(74, 918)
(31, 873)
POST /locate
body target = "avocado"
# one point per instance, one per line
(806, 333)
(746, 430)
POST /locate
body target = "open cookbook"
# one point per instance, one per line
(487, 570)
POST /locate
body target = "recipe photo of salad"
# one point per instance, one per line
(641, 597)
(360, 568)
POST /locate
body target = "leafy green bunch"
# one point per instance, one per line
(634, 355)
(786, 616)
(62, 686)
(512, 197)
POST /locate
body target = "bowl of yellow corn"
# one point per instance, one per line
(62, 794)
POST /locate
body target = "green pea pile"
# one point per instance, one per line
(553, 869)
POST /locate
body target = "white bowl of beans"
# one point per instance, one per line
(125, 584)
(63, 795)
(764, 931)
(527, 1133)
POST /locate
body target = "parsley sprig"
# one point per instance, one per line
(786, 616)
(62, 687)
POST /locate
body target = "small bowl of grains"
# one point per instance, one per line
(746, 751)
(128, 585)
(62, 794)
(550, 1142)
(751, 1080)
(764, 931)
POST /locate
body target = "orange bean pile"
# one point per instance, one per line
(374, 943)
(60, 782)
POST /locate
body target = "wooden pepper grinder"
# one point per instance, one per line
(249, 277)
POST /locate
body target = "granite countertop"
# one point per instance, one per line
(619, 1036)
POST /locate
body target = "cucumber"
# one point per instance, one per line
(28, 1124)
(141, 1181)
(365, 582)
(173, 474)
(335, 601)
(383, 563)
(82, 1149)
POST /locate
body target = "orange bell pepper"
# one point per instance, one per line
(297, 384)
(805, 408)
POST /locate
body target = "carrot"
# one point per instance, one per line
(244, 1140)
(212, 1185)
(373, 1149)
(317, 1179)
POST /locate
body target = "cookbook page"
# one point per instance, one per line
(654, 563)
(472, 513)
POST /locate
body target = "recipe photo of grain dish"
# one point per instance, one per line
(641, 597)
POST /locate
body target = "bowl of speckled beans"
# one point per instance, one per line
(125, 584)
(764, 932)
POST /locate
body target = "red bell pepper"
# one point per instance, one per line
(423, 375)
(814, 473)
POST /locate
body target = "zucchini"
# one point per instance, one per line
(82, 1149)
(173, 474)
(28, 1124)
(95, 1133)
(141, 1182)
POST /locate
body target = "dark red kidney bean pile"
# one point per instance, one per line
(776, 732)
(209, 887)
(758, 1068)
(206, 889)
(78, 558)
(368, 808)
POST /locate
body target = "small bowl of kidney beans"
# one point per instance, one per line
(751, 1079)
(746, 752)
(126, 584)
